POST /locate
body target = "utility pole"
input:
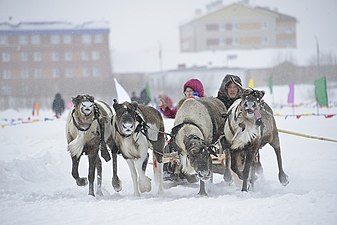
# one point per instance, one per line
(317, 51)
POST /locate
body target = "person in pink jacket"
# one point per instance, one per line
(193, 88)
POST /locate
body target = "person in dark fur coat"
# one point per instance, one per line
(228, 91)
(58, 105)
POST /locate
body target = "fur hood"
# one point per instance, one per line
(222, 93)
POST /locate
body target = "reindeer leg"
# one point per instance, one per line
(158, 174)
(227, 174)
(116, 182)
(80, 181)
(202, 190)
(99, 176)
(104, 151)
(248, 163)
(282, 176)
(91, 174)
(234, 156)
(144, 181)
(133, 172)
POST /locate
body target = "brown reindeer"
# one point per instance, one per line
(136, 128)
(88, 130)
(250, 125)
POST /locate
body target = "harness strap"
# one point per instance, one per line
(76, 124)
(229, 122)
(175, 130)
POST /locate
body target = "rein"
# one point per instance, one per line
(96, 117)
(76, 124)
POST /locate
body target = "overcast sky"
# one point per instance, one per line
(139, 27)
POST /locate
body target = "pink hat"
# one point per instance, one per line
(196, 85)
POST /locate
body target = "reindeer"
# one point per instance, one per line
(250, 125)
(136, 128)
(197, 126)
(88, 130)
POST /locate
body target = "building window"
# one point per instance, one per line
(84, 56)
(24, 74)
(6, 57)
(236, 41)
(37, 56)
(35, 39)
(264, 40)
(236, 26)
(24, 56)
(23, 40)
(55, 39)
(98, 38)
(212, 27)
(68, 73)
(85, 72)
(212, 42)
(56, 73)
(95, 72)
(68, 56)
(3, 40)
(55, 56)
(86, 39)
(37, 73)
(264, 25)
(6, 74)
(66, 39)
(95, 55)
(229, 26)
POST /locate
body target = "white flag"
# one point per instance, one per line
(122, 95)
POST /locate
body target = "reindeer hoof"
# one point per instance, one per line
(228, 177)
(82, 182)
(283, 178)
(145, 185)
(117, 184)
(99, 192)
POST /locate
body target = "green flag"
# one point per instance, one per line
(270, 84)
(320, 92)
(148, 91)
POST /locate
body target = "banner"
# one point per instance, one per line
(291, 94)
(321, 92)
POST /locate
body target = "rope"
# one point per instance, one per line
(305, 135)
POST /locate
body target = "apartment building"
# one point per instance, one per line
(39, 59)
(238, 26)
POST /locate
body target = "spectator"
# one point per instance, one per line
(192, 88)
(58, 105)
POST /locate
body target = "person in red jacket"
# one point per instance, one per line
(192, 88)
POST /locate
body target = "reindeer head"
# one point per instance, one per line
(199, 156)
(84, 104)
(251, 102)
(125, 117)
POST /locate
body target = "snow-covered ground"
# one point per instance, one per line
(37, 188)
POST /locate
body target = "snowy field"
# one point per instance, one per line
(37, 188)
